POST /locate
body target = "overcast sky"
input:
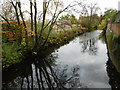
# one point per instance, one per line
(102, 3)
(107, 3)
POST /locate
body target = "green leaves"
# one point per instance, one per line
(109, 17)
(11, 54)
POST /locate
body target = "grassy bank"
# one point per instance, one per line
(14, 53)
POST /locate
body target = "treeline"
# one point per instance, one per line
(94, 21)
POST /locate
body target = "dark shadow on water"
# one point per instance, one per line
(114, 75)
(113, 63)
(41, 74)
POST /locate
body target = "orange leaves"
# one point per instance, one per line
(10, 32)
(15, 31)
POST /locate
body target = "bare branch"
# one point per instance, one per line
(5, 19)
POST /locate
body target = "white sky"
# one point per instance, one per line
(101, 3)
(107, 3)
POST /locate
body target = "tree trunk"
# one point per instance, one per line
(35, 21)
(25, 27)
(31, 13)
(16, 11)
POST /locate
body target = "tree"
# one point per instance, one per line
(8, 11)
(71, 17)
(88, 16)
(53, 8)
(31, 14)
(35, 21)
(108, 17)
(15, 6)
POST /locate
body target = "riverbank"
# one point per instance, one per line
(113, 43)
(14, 53)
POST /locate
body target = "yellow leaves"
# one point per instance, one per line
(35, 53)
(56, 3)
(32, 33)
(59, 3)
(23, 42)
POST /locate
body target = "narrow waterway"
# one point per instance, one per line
(79, 64)
(89, 53)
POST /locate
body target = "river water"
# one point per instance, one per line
(79, 64)
(90, 54)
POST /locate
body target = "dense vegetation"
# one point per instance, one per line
(108, 17)
(26, 37)
(14, 52)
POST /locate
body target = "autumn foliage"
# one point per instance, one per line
(13, 31)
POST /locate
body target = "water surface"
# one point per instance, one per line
(79, 64)
(90, 54)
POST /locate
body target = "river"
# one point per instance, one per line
(79, 64)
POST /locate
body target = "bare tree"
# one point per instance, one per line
(45, 7)
(21, 14)
(35, 21)
(31, 13)
(7, 11)
(16, 10)
(88, 11)
(58, 9)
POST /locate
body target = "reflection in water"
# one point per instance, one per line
(89, 46)
(70, 78)
(42, 75)
(92, 72)
(79, 64)
(67, 68)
